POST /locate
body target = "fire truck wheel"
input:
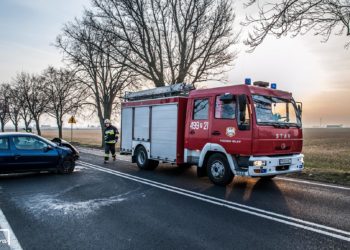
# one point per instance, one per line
(185, 165)
(268, 177)
(153, 164)
(218, 170)
(142, 160)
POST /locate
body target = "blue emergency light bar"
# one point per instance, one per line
(248, 81)
(273, 85)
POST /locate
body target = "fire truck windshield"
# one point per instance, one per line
(276, 111)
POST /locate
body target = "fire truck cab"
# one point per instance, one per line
(245, 130)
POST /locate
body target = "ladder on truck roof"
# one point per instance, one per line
(179, 89)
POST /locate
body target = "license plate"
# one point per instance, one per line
(287, 161)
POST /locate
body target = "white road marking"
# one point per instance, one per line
(14, 243)
(321, 229)
(312, 183)
(126, 158)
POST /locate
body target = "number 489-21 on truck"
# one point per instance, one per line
(246, 130)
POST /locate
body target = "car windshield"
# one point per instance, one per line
(275, 111)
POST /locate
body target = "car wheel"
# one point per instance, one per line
(66, 167)
(142, 160)
(218, 170)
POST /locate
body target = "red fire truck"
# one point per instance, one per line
(245, 130)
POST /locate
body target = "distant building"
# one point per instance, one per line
(45, 126)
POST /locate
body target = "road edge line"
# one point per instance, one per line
(232, 207)
(229, 202)
(277, 178)
(4, 224)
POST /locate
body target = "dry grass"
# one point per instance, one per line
(86, 137)
(327, 151)
(327, 155)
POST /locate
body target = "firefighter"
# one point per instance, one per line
(110, 139)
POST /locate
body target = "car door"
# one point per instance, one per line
(31, 153)
(6, 156)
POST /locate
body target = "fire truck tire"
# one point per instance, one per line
(185, 165)
(218, 170)
(268, 177)
(153, 164)
(142, 160)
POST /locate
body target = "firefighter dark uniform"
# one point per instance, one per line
(110, 138)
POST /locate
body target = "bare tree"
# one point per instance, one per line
(33, 94)
(14, 107)
(298, 17)
(19, 80)
(65, 93)
(25, 114)
(169, 41)
(4, 105)
(104, 76)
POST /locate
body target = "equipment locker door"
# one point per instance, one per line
(198, 130)
(126, 130)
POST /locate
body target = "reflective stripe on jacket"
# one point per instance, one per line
(111, 134)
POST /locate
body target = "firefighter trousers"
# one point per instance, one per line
(109, 147)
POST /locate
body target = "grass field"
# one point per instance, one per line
(327, 151)
(327, 155)
(86, 137)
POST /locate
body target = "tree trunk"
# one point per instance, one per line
(16, 127)
(37, 124)
(102, 132)
(60, 134)
(2, 127)
(26, 124)
(59, 126)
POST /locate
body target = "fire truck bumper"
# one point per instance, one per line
(276, 165)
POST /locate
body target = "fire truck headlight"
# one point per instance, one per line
(259, 163)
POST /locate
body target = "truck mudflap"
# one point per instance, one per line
(276, 165)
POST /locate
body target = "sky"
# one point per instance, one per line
(318, 74)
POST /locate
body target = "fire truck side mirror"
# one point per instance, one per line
(242, 101)
(242, 117)
(300, 107)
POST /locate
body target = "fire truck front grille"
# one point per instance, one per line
(282, 168)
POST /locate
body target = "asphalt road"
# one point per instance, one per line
(120, 207)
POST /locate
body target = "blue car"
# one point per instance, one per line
(23, 152)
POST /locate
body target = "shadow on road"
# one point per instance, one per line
(253, 192)
(23, 175)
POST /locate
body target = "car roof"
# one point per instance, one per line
(6, 134)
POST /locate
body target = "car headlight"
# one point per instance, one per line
(259, 163)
